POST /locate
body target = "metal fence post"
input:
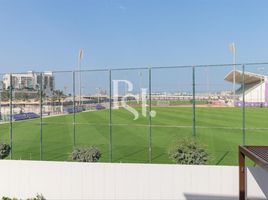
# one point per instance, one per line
(110, 117)
(149, 113)
(74, 119)
(10, 117)
(41, 116)
(1, 90)
(243, 107)
(193, 102)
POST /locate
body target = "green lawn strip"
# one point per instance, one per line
(219, 129)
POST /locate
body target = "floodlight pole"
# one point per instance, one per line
(80, 56)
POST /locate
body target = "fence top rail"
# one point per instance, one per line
(142, 68)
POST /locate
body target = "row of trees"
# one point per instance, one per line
(57, 95)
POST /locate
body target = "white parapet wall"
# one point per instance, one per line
(68, 180)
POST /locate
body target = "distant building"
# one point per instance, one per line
(30, 81)
(256, 88)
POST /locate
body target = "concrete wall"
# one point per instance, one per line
(66, 180)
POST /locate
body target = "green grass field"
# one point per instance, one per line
(218, 128)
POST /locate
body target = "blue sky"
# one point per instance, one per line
(46, 35)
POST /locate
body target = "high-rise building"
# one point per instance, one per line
(30, 81)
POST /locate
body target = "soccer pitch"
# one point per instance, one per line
(219, 129)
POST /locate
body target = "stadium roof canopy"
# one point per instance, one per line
(249, 77)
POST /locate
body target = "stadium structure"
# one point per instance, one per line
(256, 88)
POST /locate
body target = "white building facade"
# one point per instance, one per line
(30, 81)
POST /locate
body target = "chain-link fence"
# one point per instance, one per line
(134, 114)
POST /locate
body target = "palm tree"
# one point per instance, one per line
(25, 96)
(58, 95)
(5, 95)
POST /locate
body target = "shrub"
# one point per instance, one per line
(189, 152)
(37, 197)
(89, 154)
(7, 198)
(4, 150)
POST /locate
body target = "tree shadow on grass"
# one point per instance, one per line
(126, 156)
(222, 157)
